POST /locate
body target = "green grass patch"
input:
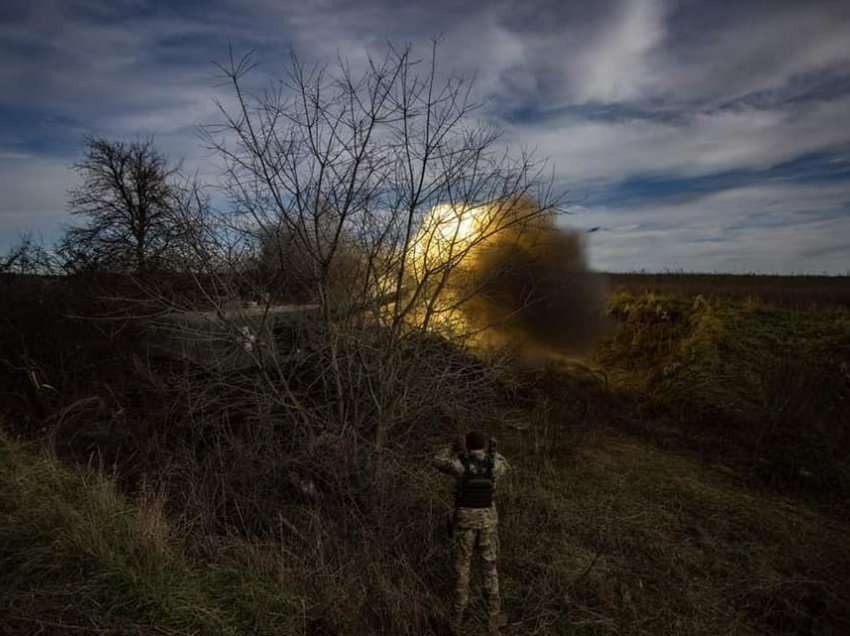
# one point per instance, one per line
(632, 539)
(749, 380)
(76, 555)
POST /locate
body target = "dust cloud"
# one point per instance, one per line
(529, 285)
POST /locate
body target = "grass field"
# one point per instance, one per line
(788, 291)
(76, 556)
(690, 477)
(757, 383)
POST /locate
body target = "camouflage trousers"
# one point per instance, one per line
(468, 541)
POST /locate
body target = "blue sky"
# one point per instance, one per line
(703, 136)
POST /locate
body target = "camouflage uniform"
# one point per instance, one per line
(474, 528)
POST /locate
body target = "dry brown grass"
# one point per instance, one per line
(603, 531)
(785, 291)
(628, 539)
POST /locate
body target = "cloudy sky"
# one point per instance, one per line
(698, 136)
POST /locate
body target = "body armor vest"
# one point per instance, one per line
(475, 488)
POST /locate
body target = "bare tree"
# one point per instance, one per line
(27, 256)
(372, 189)
(128, 194)
(342, 164)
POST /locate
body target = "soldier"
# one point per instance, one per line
(476, 466)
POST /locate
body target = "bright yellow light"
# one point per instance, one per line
(440, 257)
(447, 234)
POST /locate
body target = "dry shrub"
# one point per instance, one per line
(323, 453)
(290, 266)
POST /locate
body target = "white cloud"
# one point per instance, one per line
(666, 53)
(753, 50)
(766, 228)
(603, 152)
(616, 65)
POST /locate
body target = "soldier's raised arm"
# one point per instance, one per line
(501, 467)
(446, 461)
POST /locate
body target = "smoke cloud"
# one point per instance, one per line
(529, 285)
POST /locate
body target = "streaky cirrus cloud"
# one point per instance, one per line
(693, 105)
